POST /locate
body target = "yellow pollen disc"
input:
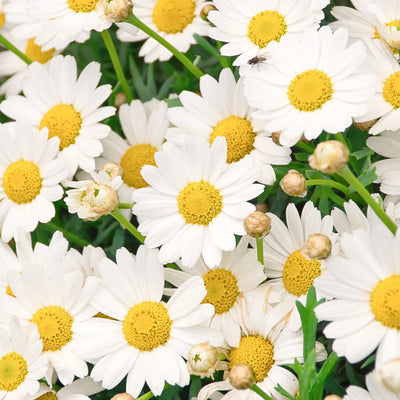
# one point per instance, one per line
(222, 289)
(265, 27)
(2, 18)
(22, 181)
(9, 291)
(173, 16)
(199, 203)
(132, 162)
(13, 371)
(82, 6)
(147, 326)
(55, 327)
(310, 90)
(299, 273)
(391, 90)
(239, 136)
(256, 352)
(35, 53)
(385, 302)
(47, 396)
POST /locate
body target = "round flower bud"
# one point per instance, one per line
(120, 98)
(241, 376)
(202, 360)
(332, 397)
(329, 156)
(317, 246)
(389, 374)
(112, 169)
(101, 199)
(122, 396)
(365, 126)
(205, 10)
(294, 184)
(114, 10)
(257, 224)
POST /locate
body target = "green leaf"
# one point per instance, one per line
(362, 153)
(368, 361)
(195, 386)
(206, 45)
(367, 177)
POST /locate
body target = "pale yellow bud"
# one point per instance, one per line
(205, 10)
(122, 396)
(390, 375)
(241, 376)
(294, 184)
(257, 224)
(317, 246)
(114, 10)
(120, 98)
(329, 156)
(365, 126)
(332, 397)
(100, 199)
(112, 169)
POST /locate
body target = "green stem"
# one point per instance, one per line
(260, 392)
(305, 146)
(146, 396)
(116, 64)
(51, 226)
(125, 206)
(352, 180)
(123, 221)
(328, 182)
(181, 57)
(323, 374)
(260, 250)
(12, 48)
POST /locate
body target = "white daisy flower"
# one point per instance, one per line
(57, 303)
(175, 20)
(238, 273)
(195, 203)
(222, 110)
(254, 27)
(55, 23)
(365, 287)
(30, 175)
(321, 91)
(147, 338)
(264, 346)
(144, 126)
(293, 274)
(67, 106)
(22, 363)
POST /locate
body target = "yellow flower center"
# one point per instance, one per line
(239, 136)
(82, 6)
(132, 162)
(391, 90)
(385, 302)
(13, 371)
(147, 326)
(310, 90)
(35, 53)
(2, 18)
(64, 122)
(265, 27)
(256, 352)
(299, 273)
(199, 203)
(47, 396)
(55, 327)
(22, 181)
(173, 16)
(222, 289)
(395, 23)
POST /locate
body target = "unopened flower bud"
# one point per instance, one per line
(389, 374)
(205, 10)
(294, 184)
(257, 224)
(365, 126)
(120, 98)
(114, 10)
(317, 246)
(204, 360)
(332, 397)
(101, 199)
(275, 137)
(122, 396)
(241, 376)
(112, 169)
(329, 156)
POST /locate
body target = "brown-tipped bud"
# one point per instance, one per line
(263, 207)
(257, 224)
(114, 10)
(294, 184)
(275, 136)
(241, 376)
(329, 157)
(389, 375)
(205, 10)
(120, 98)
(365, 126)
(332, 397)
(113, 169)
(317, 246)
(122, 396)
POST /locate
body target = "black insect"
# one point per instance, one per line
(257, 60)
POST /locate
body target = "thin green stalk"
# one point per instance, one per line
(305, 146)
(324, 373)
(352, 180)
(260, 250)
(125, 206)
(12, 48)
(51, 226)
(116, 64)
(123, 221)
(146, 396)
(181, 57)
(260, 392)
(328, 182)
